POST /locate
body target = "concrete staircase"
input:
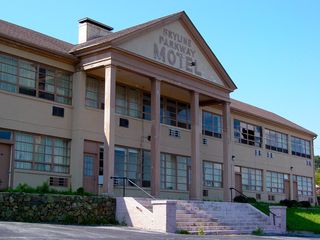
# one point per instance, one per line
(218, 218)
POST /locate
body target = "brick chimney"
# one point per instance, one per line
(90, 29)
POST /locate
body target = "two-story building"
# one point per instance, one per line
(150, 103)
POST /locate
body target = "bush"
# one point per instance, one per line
(45, 189)
(243, 199)
(258, 232)
(305, 204)
(290, 203)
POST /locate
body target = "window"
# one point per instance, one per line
(174, 113)
(247, 133)
(304, 185)
(251, 179)
(300, 147)
(133, 164)
(174, 171)
(128, 101)
(211, 124)
(275, 182)
(88, 165)
(94, 93)
(276, 141)
(26, 77)
(212, 174)
(42, 153)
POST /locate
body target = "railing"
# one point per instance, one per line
(131, 182)
(268, 210)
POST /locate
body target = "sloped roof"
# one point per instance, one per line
(258, 112)
(121, 33)
(35, 39)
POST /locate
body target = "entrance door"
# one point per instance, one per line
(287, 188)
(238, 183)
(90, 173)
(5, 150)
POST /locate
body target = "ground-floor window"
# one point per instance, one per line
(304, 185)
(42, 153)
(212, 174)
(134, 164)
(251, 179)
(174, 172)
(275, 181)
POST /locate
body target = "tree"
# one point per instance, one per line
(317, 162)
(318, 176)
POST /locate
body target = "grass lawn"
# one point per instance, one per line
(303, 219)
(298, 219)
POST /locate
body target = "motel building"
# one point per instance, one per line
(150, 103)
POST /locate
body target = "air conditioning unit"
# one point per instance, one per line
(204, 141)
(174, 133)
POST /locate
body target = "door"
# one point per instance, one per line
(90, 173)
(287, 188)
(238, 183)
(5, 150)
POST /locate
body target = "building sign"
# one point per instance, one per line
(176, 50)
(172, 45)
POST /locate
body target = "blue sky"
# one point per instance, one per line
(271, 49)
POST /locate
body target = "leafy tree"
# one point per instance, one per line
(318, 176)
(317, 162)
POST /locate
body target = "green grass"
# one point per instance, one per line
(298, 219)
(301, 219)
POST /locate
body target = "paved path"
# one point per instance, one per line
(28, 231)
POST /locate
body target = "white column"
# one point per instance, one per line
(227, 171)
(109, 127)
(77, 141)
(155, 137)
(196, 163)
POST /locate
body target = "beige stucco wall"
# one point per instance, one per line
(24, 113)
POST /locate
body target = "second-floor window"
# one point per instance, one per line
(300, 147)
(276, 141)
(211, 124)
(33, 79)
(247, 133)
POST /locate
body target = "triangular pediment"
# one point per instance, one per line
(179, 45)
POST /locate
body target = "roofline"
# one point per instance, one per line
(35, 46)
(306, 131)
(94, 22)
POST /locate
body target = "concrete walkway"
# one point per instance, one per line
(28, 231)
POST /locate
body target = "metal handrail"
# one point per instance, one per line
(241, 193)
(134, 184)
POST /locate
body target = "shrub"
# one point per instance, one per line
(201, 231)
(182, 231)
(240, 199)
(258, 232)
(290, 203)
(243, 199)
(45, 189)
(305, 204)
